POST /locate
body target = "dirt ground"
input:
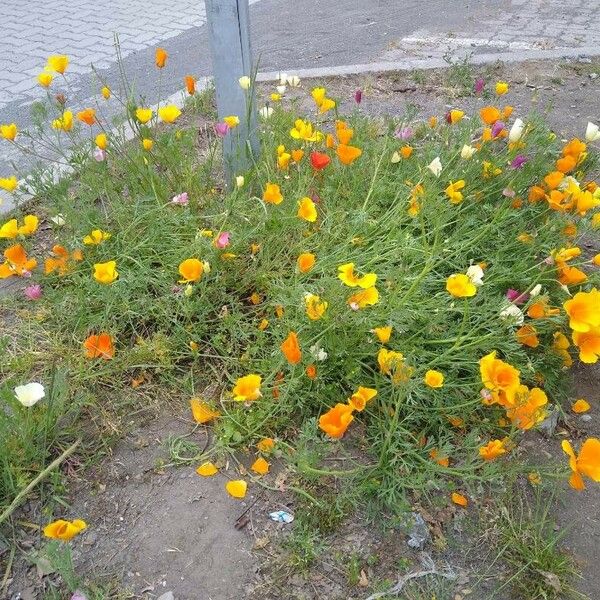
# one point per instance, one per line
(156, 529)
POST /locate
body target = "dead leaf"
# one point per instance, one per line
(43, 566)
(552, 580)
(280, 481)
(363, 580)
(261, 543)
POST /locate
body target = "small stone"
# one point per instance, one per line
(586, 418)
(166, 596)
(593, 75)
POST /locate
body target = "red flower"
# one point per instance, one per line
(318, 160)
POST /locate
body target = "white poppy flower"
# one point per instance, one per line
(516, 131)
(281, 89)
(245, 82)
(513, 314)
(592, 132)
(58, 220)
(536, 290)
(293, 80)
(239, 181)
(30, 393)
(266, 112)
(435, 166)
(467, 151)
(475, 274)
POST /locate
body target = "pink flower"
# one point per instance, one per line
(181, 199)
(99, 155)
(497, 127)
(221, 129)
(516, 296)
(405, 133)
(509, 193)
(518, 161)
(33, 292)
(479, 85)
(222, 240)
(358, 96)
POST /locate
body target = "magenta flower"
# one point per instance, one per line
(517, 297)
(221, 129)
(404, 133)
(518, 161)
(497, 127)
(358, 96)
(479, 85)
(222, 240)
(33, 291)
(181, 199)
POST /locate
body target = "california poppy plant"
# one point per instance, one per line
(306, 261)
(272, 194)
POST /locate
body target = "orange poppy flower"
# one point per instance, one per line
(554, 179)
(361, 397)
(586, 463)
(536, 193)
(99, 346)
(336, 420)
(489, 114)
(347, 154)
(272, 194)
(527, 336)
(160, 57)
(190, 84)
(443, 461)
(62, 260)
(492, 450)
(87, 116)
(311, 371)
(16, 262)
(306, 261)
(291, 348)
(566, 164)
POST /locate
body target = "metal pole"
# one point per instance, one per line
(229, 39)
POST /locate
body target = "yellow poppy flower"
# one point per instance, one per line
(434, 379)
(64, 530)
(247, 388)
(236, 488)
(169, 113)
(207, 469)
(106, 272)
(272, 194)
(307, 210)
(260, 466)
(143, 115)
(191, 269)
(315, 307)
(96, 237)
(347, 276)
(460, 286)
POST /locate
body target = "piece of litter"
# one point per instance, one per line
(419, 532)
(280, 516)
